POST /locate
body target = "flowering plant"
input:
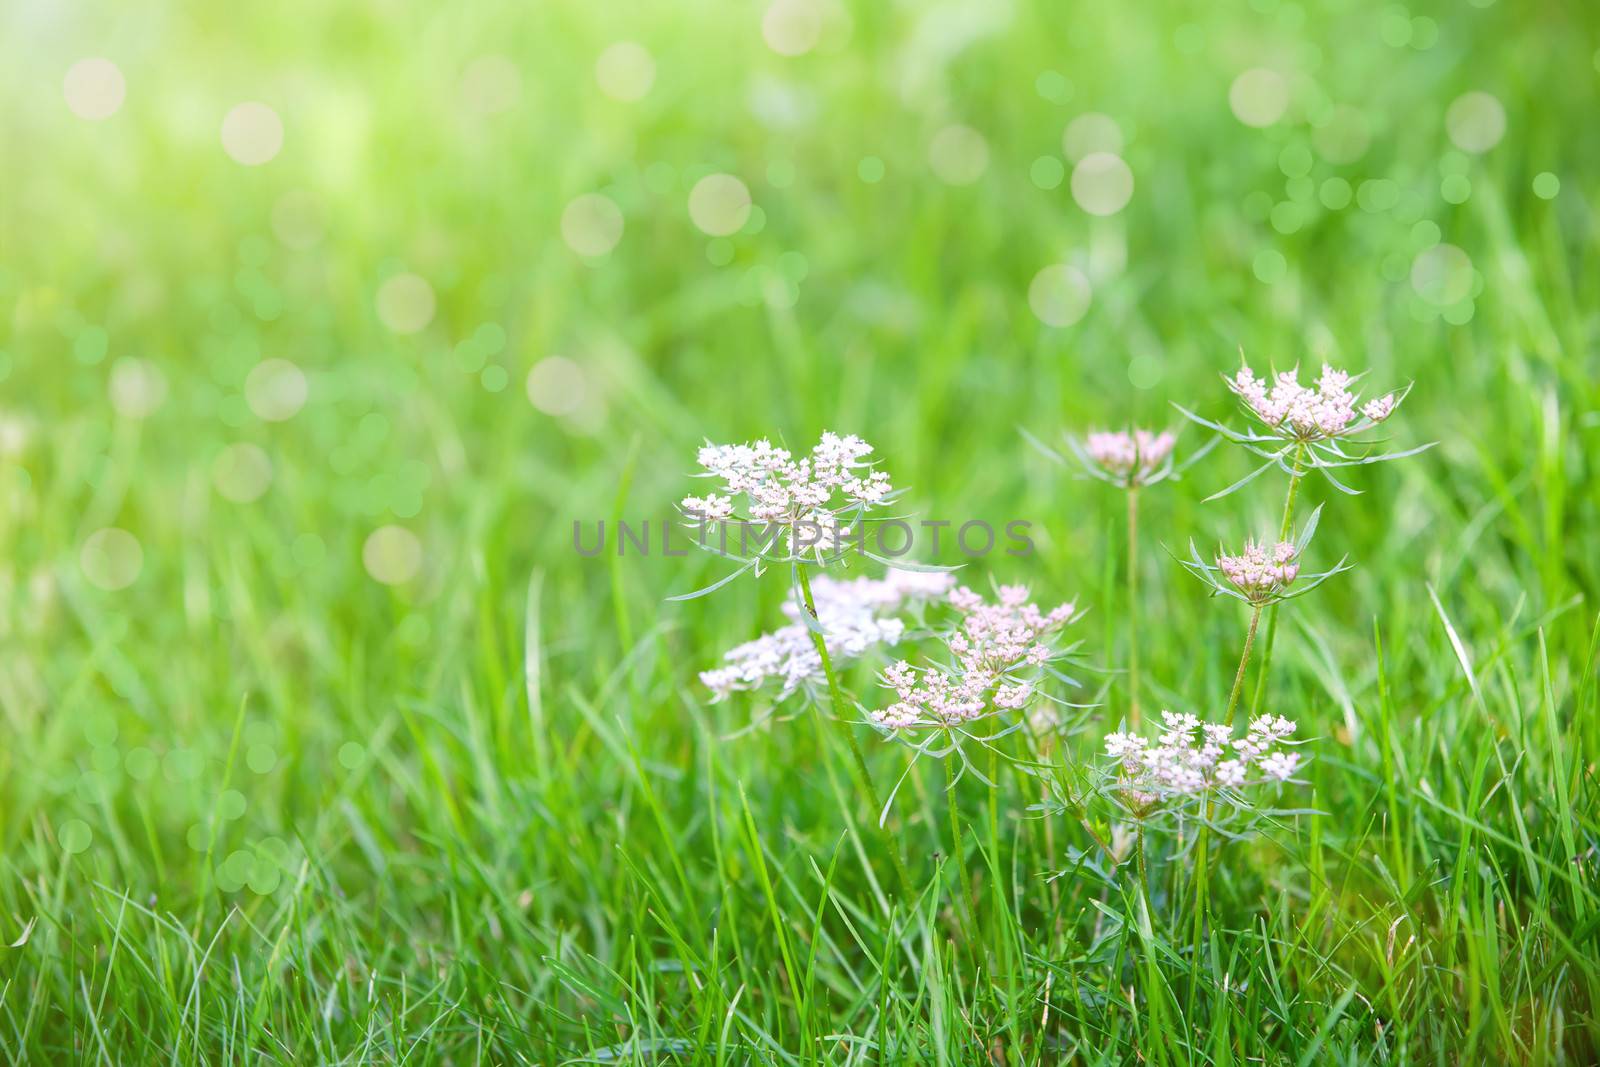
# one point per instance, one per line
(1191, 758)
(1262, 572)
(853, 616)
(998, 650)
(998, 655)
(1128, 459)
(785, 509)
(1319, 425)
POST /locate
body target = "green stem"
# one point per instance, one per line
(1202, 843)
(843, 724)
(1133, 605)
(1144, 879)
(1272, 614)
(1244, 661)
(994, 843)
(957, 839)
(1202, 897)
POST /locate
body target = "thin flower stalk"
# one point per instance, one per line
(958, 841)
(862, 772)
(1272, 613)
(1130, 460)
(806, 511)
(1262, 576)
(1132, 564)
(854, 617)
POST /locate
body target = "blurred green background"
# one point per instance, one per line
(321, 324)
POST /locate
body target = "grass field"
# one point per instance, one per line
(322, 743)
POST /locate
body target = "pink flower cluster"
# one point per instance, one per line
(991, 642)
(1309, 414)
(1261, 572)
(1188, 757)
(854, 616)
(781, 489)
(1129, 457)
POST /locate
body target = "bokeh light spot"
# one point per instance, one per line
(1378, 194)
(242, 473)
(792, 27)
(1059, 295)
(392, 555)
(1047, 172)
(719, 204)
(625, 71)
(1286, 217)
(94, 89)
(275, 390)
(1089, 133)
(1102, 184)
(261, 757)
(1442, 275)
(138, 388)
(1269, 266)
(1295, 160)
(405, 303)
(591, 225)
(1455, 188)
(1475, 122)
(556, 386)
(264, 877)
(111, 558)
(231, 804)
(1259, 97)
(75, 836)
(142, 764)
(252, 134)
(958, 155)
(1546, 186)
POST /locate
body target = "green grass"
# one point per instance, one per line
(256, 806)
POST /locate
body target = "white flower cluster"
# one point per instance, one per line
(1188, 758)
(1306, 414)
(854, 615)
(1261, 572)
(991, 643)
(1129, 457)
(806, 497)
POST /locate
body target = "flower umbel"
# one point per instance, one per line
(853, 615)
(1261, 572)
(1301, 427)
(1304, 413)
(1194, 758)
(808, 504)
(1132, 457)
(998, 651)
(1128, 459)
